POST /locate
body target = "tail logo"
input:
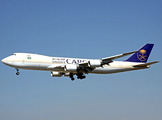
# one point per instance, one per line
(142, 55)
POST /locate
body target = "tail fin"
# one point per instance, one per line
(142, 54)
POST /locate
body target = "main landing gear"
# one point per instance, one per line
(80, 76)
(17, 73)
(72, 76)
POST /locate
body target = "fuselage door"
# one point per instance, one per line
(13, 58)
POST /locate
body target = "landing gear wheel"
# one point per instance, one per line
(72, 76)
(17, 73)
(72, 79)
(80, 76)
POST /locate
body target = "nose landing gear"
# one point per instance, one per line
(17, 73)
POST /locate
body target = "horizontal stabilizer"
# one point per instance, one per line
(145, 64)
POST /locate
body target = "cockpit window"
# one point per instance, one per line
(14, 54)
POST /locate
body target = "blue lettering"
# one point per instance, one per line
(81, 61)
(78, 61)
(67, 61)
(73, 61)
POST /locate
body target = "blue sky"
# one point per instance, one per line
(81, 29)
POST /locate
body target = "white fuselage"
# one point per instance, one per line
(41, 62)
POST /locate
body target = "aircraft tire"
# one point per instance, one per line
(17, 73)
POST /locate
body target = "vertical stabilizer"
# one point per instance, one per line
(142, 54)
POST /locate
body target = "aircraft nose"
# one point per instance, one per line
(3, 60)
(6, 60)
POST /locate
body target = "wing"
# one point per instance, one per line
(109, 59)
(92, 64)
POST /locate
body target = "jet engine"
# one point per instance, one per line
(71, 68)
(66, 74)
(95, 63)
(56, 74)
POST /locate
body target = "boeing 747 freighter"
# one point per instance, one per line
(60, 66)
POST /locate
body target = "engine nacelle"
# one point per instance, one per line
(95, 63)
(56, 74)
(71, 68)
(66, 74)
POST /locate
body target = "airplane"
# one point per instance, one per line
(68, 67)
